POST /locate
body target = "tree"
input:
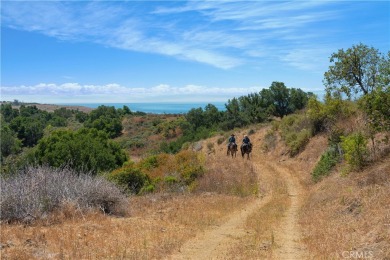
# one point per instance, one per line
(354, 71)
(83, 150)
(8, 113)
(252, 109)
(195, 117)
(280, 96)
(29, 129)
(298, 99)
(106, 119)
(124, 111)
(10, 144)
(233, 116)
(212, 115)
(376, 105)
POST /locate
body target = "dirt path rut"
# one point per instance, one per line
(288, 235)
(214, 243)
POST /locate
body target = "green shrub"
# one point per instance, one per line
(296, 131)
(87, 150)
(132, 143)
(171, 180)
(355, 150)
(148, 162)
(328, 160)
(190, 166)
(130, 178)
(297, 141)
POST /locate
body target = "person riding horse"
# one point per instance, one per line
(246, 146)
(246, 141)
(232, 144)
(232, 140)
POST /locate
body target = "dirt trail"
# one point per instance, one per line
(288, 235)
(214, 243)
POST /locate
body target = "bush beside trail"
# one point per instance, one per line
(37, 191)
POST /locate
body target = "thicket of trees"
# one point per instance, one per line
(63, 137)
(277, 100)
(84, 150)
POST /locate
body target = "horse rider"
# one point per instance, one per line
(246, 141)
(232, 140)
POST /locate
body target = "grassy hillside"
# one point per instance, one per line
(346, 211)
(341, 213)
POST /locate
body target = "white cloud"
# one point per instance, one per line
(118, 93)
(235, 29)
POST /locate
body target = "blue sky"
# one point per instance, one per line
(176, 51)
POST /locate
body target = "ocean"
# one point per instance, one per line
(154, 108)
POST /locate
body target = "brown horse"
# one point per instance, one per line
(232, 149)
(246, 149)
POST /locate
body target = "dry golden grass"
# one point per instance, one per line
(157, 225)
(229, 176)
(346, 216)
(261, 225)
(342, 217)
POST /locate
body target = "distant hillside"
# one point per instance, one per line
(48, 107)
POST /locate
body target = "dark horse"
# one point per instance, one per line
(246, 149)
(232, 149)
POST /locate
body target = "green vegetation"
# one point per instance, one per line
(87, 150)
(328, 160)
(107, 119)
(130, 178)
(10, 144)
(355, 150)
(363, 73)
(160, 172)
(296, 131)
(58, 138)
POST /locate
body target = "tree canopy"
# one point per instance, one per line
(84, 150)
(364, 71)
(355, 70)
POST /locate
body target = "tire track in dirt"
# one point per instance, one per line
(288, 235)
(215, 243)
